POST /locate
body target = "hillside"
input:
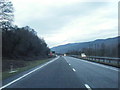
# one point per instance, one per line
(78, 46)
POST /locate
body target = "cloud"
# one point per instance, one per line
(62, 21)
(100, 24)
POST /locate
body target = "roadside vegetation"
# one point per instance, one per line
(22, 49)
(101, 50)
(100, 53)
(25, 65)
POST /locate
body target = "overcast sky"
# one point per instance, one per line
(68, 21)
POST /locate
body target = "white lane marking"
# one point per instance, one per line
(70, 64)
(66, 61)
(74, 70)
(88, 87)
(27, 74)
(99, 65)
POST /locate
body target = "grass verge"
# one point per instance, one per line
(30, 64)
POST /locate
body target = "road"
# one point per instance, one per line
(68, 72)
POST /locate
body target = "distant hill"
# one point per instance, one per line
(78, 46)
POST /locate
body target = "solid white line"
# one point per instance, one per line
(27, 74)
(88, 87)
(74, 70)
(98, 64)
(101, 65)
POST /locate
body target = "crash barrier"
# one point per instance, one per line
(105, 60)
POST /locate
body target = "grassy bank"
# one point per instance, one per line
(28, 65)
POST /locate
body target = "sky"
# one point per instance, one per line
(68, 21)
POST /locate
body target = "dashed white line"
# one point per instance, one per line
(27, 74)
(74, 70)
(69, 64)
(88, 87)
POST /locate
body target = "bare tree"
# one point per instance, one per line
(6, 14)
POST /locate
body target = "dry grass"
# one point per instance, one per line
(25, 65)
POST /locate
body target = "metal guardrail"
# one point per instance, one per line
(105, 60)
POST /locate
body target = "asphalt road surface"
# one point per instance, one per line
(67, 72)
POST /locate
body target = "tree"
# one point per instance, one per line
(23, 43)
(103, 47)
(6, 14)
(19, 42)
